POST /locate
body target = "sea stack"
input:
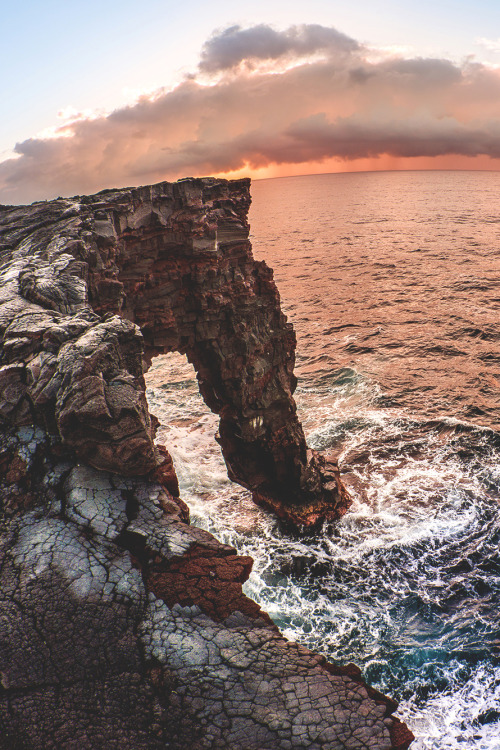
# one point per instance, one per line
(122, 625)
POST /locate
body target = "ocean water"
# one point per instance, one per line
(392, 281)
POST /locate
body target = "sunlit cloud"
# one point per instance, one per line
(67, 117)
(493, 45)
(374, 55)
(234, 46)
(264, 100)
(150, 93)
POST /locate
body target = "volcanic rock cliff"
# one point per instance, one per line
(120, 624)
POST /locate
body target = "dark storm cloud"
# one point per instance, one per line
(346, 103)
(355, 138)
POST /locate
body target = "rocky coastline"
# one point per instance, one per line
(122, 626)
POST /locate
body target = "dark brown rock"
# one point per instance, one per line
(210, 580)
(175, 260)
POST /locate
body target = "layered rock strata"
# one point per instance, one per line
(175, 260)
(120, 624)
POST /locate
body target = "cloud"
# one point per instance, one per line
(493, 45)
(332, 99)
(229, 48)
(415, 136)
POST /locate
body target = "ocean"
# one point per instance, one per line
(392, 282)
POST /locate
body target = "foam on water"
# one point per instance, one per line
(459, 719)
(407, 584)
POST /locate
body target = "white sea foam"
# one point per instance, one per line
(459, 719)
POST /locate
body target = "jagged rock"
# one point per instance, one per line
(121, 626)
(175, 260)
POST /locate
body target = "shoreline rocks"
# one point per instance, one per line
(120, 624)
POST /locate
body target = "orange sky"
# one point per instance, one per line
(379, 164)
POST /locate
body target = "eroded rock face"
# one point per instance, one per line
(124, 627)
(175, 260)
(121, 626)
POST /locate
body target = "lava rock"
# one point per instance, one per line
(122, 626)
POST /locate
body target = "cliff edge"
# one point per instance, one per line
(122, 625)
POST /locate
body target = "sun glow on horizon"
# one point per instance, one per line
(381, 164)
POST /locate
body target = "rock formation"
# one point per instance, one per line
(175, 260)
(120, 624)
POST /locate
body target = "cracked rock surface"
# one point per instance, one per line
(121, 626)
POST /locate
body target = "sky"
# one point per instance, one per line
(108, 94)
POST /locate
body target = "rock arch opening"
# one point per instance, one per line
(186, 425)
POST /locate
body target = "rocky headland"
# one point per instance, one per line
(122, 626)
